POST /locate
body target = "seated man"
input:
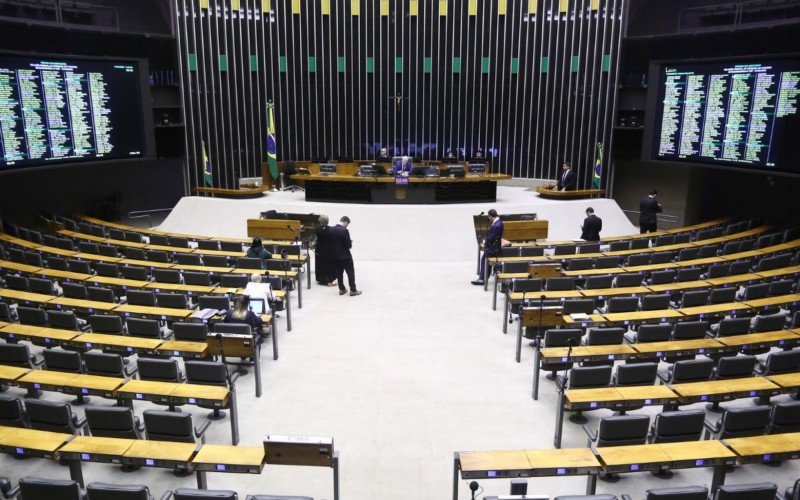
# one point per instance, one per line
(258, 290)
(403, 167)
(383, 156)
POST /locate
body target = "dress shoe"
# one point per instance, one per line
(342, 292)
(357, 292)
(477, 282)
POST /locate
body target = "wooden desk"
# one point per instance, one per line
(26, 298)
(182, 348)
(594, 272)
(31, 443)
(145, 453)
(46, 380)
(685, 455)
(118, 343)
(145, 390)
(216, 458)
(715, 310)
(16, 266)
(196, 394)
(12, 373)
(550, 192)
(203, 269)
(96, 449)
(583, 322)
(562, 462)
(88, 306)
(583, 353)
(781, 272)
(658, 350)
(774, 302)
(738, 279)
(48, 336)
(145, 263)
(635, 458)
(62, 275)
(641, 317)
(765, 448)
(650, 267)
(180, 288)
(786, 380)
(724, 390)
(676, 287)
(162, 313)
(783, 338)
(116, 283)
(602, 293)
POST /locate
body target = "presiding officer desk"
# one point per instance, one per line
(347, 186)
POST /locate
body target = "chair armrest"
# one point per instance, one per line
(712, 426)
(12, 492)
(626, 497)
(122, 301)
(201, 429)
(167, 495)
(664, 377)
(78, 421)
(36, 361)
(181, 377)
(592, 436)
(129, 371)
(235, 376)
(759, 369)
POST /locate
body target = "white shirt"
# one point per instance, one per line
(259, 291)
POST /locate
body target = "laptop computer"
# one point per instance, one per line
(258, 306)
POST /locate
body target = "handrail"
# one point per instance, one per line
(145, 214)
(669, 219)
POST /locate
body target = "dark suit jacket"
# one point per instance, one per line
(251, 319)
(648, 208)
(493, 238)
(568, 182)
(592, 226)
(383, 159)
(340, 243)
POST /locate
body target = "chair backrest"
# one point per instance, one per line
(674, 426)
(106, 269)
(88, 247)
(623, 304)
(606, 262)
(729, 248)
(249, 263)
(722, 295)
(165, 370)
(780, 287)
(106, 323)
(56, 263)
(188, 259)
(158, 239)
(589, 248)
(663, 277)
(577, 306)
(617, 246)
(744, 421)
(178, 241)
(108, 491)
(708, 251)
(585, 377)
(37, 488)
(63, 361)
(782, 362)
(733, 326)
(50, 416)
(190, 494)
(234, 280)
(688, 254)
(692, 370)
(11, 412)
(197, 279)
(509, 251)
(134, 273)
(205, 372)
(192, 332)
(65, 244)
(629, 279)
(141, 298)
(556, 284)
(15, 355)
(640, 243)
(168, 426)
(736, 366)
(32, 316)
(15, 282)
(148, 328)
(100, 294)
(221, 303)
(694, 298)
(514, 267)
(108, 251)
(236, 328)
(769, 322)
(741, 266)
(167, 275)
(34, 259)
(756, 291)
(209, 245)
(107, 365)
(623, 430)
(662, 257)
(605, 336)
(531, 251)
(785, 417)
(678, 493)
(599, 282)
(527, 285)
(562, 337)
(133, 253)
(656, 301)
(759, 491)
(215, 260)
(688, 274)
(5, 312)
(564, 249)
(116, 234)
(134, 237)
(682, 238)
(580, 264)
(172, 300)
(41, 285)
(74, 291)
(112, 421)
(661, 241)
(636, 374)
(654, 333)
(79, 266)
(719, 270)
(641, 259)
(157, 256)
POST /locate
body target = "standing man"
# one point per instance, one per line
(491, 244)
(340, 248)
(567, 181)
(592, 225)
(648, 208)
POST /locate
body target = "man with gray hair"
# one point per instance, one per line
(258, 290)
(403, 167)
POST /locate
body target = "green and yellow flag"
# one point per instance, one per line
(598, 165)
(272, 149)
(209, 179)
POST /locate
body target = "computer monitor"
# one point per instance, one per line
(258, 306)
(476, 168)
(453, 171)
(327, 168)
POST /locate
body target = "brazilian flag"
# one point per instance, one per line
(598, 165)
(272, 150)
(209, 179)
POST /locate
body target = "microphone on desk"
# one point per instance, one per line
(473, 486)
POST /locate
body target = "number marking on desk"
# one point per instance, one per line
(192, 401)
(19, 451)
(610, 356)
(37, 386)
(753, 393)
(699, 462)
(129, 349)
(86, 456)
(221, 468)
(593, 404)
(648, 401)
(11, 336)
(149, 461)
(47, 340)
(88, 345)
(634, 467)
(491, 473)
(767, 457)
(139, 396)
(561, 471)
(704, 398)
(176, 353)
(84, 391)
(91, 310)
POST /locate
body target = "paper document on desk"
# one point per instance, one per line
(579, 316)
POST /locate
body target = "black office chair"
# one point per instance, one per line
(584, 377)
(635, 374)
(722, 295)
(249, 263)
(62, 361)
(741, 266)
(141, 298)
(665, 240)
(650, 333)
(622, 304)
(559, 284)
(759, 491)
(599, 282)
(107, 365)
(564, 249)
(740, 422)
(134, 237)
(79, 266)
(74, 291)
(178, 242)
(197, 279)
(640, 259)
(113, 422)
(191, 494)
(42, 285)
(108, 491)
(192, 332)
(101, 294)
(106, 323)
(108, 251)
(116, 234)
(19, 355)
(136, 273)
(88, 247)
(216, 260)
(167, 275)
(678, 493)
(221, 303)
(159, 239)
(719, 270)
(688, 274)
(157, 256)
(32, 316)
(163, 370)
(752, 292)
(145, 328)
(580, 264)
(618, 430)
(793, 492)
(589, 248)
(689, 370)
(188, 259)
(6, 313)
(688, 254)
(624, 280)
(663, 277)
(655, 301)
(776, 288)
(177, 427)
(174, 301)
(52, 416)
(605, 336)
(34, 488)
(12, 414)
(209, 373)
(560, 338)
(106, 269)
(640, 243)
(578, 306)
(673, 427)
(785, 417)
(731, 326)
(234, 280)
(133, 253)
(618, 246)
(694, 298)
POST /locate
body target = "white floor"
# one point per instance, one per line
(402, 376)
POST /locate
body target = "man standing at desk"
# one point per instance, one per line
(403, 167)
(340, 248)
(592, 225)
(648, 210)
(491, 244)
(567, 181)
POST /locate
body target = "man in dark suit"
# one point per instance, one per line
(383, 156)
(567, 180)
(340, 249)
(648, 210)
(491, 244)
(592, 225)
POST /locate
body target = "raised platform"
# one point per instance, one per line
(256, 192)
(552, 193)
(399, 233)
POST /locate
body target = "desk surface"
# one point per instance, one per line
(83, 304)
(39, 332)
(786, 380)
(161, 450)
(783, 271)
(155, 311)
(32, 439)
(731, 280)
(48, 377)
(691, 389)
(98, 445)
(642, 315)
(12, 372)
(16, 266)
(673, 287)
(562, 458)
(235, 455)
(25, 296)
(119, 340)
(183, 346)
(199, 391)
(149, 387)
(588, 350)
(97, 382)
(174, 287)
(714, 308)
(632, 455)
(608, 292)
(757, 338)
(475, 461)
(696, 450)
(675, 345)
(55, 273)
(774, 301)
(765, 445)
